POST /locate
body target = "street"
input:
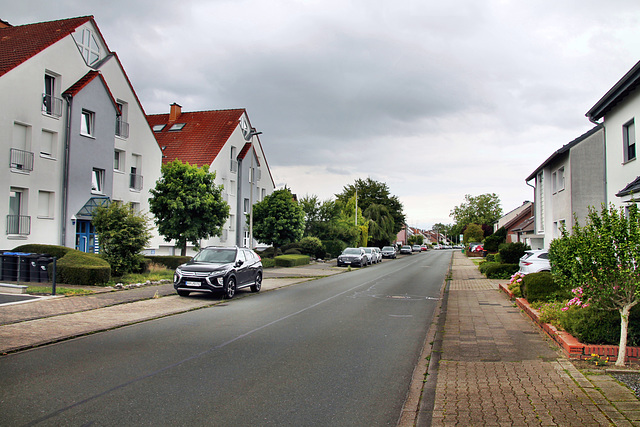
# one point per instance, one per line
(334, 351)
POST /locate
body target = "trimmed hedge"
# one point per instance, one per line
(501, 271)
(593, 326)
(292, 260)
(73, 267)
(484, 265)
(543, 287)
(268, 262)
(170, 261)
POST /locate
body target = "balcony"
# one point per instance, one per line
(19, 224)
(135, 182)
(51, 105)
(122, 128)
(21, 160)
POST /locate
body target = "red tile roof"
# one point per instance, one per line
(202, 137)
(19, 43)
(85, 80)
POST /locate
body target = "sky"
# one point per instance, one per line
(435, 99)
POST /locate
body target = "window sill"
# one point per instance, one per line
(97, 193)
(87, 136)
(51, 116)
(118, 171)
(47, 156)
(20, 171)
(133, 190)
(45, 217)
(629, 161)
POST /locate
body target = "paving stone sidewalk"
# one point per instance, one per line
(496, 368)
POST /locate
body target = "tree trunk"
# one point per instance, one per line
(183, 250)
(624, 327)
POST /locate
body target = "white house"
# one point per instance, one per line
(570, 181)
(226, 142)
(617, 111)
(73, 134)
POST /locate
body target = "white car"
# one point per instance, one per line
(535, 261)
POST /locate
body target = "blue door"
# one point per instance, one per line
(86, 239)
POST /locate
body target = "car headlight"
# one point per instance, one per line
(177, 274)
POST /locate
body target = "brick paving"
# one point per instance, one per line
(497, 369)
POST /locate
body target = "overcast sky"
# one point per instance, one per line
(436, 99)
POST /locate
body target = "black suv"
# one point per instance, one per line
(219, 269)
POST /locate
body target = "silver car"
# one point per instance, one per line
(535, 261)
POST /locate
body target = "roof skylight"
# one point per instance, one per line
(158, 128)
(177, 126)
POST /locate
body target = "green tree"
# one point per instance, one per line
(416, 239)
(600, 262)
(123, 235)
(320, 217)
(278, 219)
(358, 230)
(187, 204)
(373, 192)
(473, 233)
(381, 225)
(482, 209)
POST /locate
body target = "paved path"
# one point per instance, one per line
(496, 368)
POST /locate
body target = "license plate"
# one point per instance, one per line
(194, 284)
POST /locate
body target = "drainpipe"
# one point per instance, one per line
(65, 172)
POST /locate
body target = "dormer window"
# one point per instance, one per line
(177, 126)
(88, 46)
(158, 128)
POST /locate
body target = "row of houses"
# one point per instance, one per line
(74, 135)
(597, 167)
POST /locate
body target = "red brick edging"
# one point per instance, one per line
(571, 347)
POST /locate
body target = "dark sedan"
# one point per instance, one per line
(353, 256)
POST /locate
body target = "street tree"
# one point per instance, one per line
(381, 225)
(122, 234)
(187, 204)
(601, 263)
(482, 209)
(278, 219)
(373, 192)
(473, 233)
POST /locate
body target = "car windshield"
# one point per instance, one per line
(218, 256)
(367, 250)
(387, 248)
(351, 251)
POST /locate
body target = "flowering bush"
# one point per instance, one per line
(514, 284)
(576, 301)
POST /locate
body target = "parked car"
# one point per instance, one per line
(406, 249)
(353, 256)
(423, 248)
(373, 259)
(375, 254)
(219, 269)
(416, 248)
(388, 252)
(535, 261)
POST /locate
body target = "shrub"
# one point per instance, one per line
(268, 252)
(169, 261)
(484, 265)
(490, 258)
(491, 243)
(79, 268)
(53, 250)
(593, 326)
(515, 284)
(510, 253)
(268, 262)
(312, 246)
(542, 287)
(293, 251)
(294, 245)
(334, 247)
(291, 260)
(550, 312)
(501, 271)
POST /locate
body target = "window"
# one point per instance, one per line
(540, 202)
(97, 181)
(232, 188)
(177, 126)
(629, 141)
(263, 193)
(234, 161)
(246, 206)
(232, 222)
(158, 128)
(135, 207)
(21, 159)
(135, 180)
(88, 45)
(557, 180)
(48, 143)
(122, 126)
(17, 221)
(45, 204)
(51, 105)
(87, 123)
(118, 161)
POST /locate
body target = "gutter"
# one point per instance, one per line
(65, 172)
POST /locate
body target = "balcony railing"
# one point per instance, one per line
(122, 128)
(135, 182)
(19, 224)
(51, 105)
(21, 160)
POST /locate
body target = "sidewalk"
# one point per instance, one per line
(53, 319)
(497, 368)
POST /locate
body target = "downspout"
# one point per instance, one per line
(65, 172)
(239, 205)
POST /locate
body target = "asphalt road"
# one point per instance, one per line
(334, 351)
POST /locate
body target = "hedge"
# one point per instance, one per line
(292, 260)
(594, 326)
(334, 247)
(170, 261)
(501, 271)
(542, 287)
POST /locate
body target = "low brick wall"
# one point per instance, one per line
(572, 348)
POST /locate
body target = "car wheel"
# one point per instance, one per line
(258, 285)
(183, 293)
(230, 289)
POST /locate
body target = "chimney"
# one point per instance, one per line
(175, 112)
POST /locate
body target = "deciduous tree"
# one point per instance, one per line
(482, 209)
(278, 219)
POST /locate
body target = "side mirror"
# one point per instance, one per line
(239, 263)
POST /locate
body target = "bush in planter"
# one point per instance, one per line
(591, 326)
(501, 271)
(543, 287)
(291, 260)
(510, 253)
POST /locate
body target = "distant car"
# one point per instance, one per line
(423, 248)
(535, 261)
(219, 269)
(353, 256)
(406, 249)
(416, 248)
(375, 253)
(370, 255)
(388, 252)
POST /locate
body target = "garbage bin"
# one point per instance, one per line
(43, 262)
(34, 269)
(23, 266)
(9, 266)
